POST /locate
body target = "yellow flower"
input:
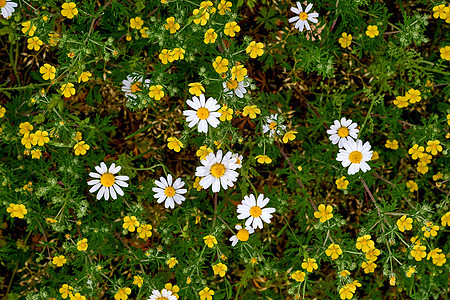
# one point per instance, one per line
(309, 264)
(59, 260)
(345, 40)
(36, 154)
(231, 29)
(426, 158)
(422, 167)
(69, 10)
(208, 6)
(375, 155)
(344, 273)
(27, 140)
(289, 136)
(51, 220)
(263, 159)
(178, 53)
(255, 49)
(404, 223)
(445, 219)
(175, 144)
(198, 187)
(368, 266)
(174, 289)
(165, 56)
(136, 23)
(410, 271)
(67, 89)
(25, 128)
(48, 71)
(437, 176)
(412, 186)
(138, 280)
(156, 92)
(440, 11)
(81, 148)
(203, 152)
(372, 31)
(401, 101)
(418, 252)
(220, 269)
(345, 292)
(224, 6)
(84, 76)
(227, 113)
(34, 43)
(82, 245)
(210, 241)
(414, 95)
(145, 231)
(77, 296)
(65, 291)
(130, 223)
(324, 213)
(354, 284)
(364, 243)
(27, 28)
(172, 262)
(433, 253)
(392, 280)
(220, 64)
(391, 145)
(342, 183)
(445, 52)
(416, 151)
(206, 294)
(334, 251)
(122, 293)
(251, 111)
(372, 254)
(17, 210)
(40, 137)
(196, 88)
(298, 276)
(172, 25)
(201, 17)
(210, 36)
(238, 72)
(434, 147)
(439, 259)
(2, 111)
(430, 229)
(54, 38)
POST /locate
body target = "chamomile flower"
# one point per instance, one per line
(242, 235)
(303, 17)
(252, 210)
(7, 8)
(272, 125)
(232, 86)
(134, 84)
(204, 113)
(164, 294)
(169, 192)
(218, 171)
(107, 181)
(342, 131)
(356, 155)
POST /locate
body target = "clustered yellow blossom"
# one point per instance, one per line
(342, 183)
(210, 241)
(372, 31)
(298, 276)
(174, 144)
(17, 210)
(324, 213)
(345, 40)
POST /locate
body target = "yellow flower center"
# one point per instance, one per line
(135, 87)
(232, 84)
(273, 125)
(107, 179)
(202, 113)
(162, 298)
(343, 132)
(169, 191)
(243, 235)
(255, 211)
(355, 157)
(303, 16)
(2, 3)
(217, 170)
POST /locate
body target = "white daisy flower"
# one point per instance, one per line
(343, 131)
(239, 159)
(171, 193)
(204, 113)
(7, 7)
(163, 295)
(242, 235)
(355, 155)
(133, 84)
(107, 182)
(303, 16)
(217, 171)
(254, 211)
(238, 88)
(272, 126)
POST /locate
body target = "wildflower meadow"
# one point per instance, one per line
(242, 149)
